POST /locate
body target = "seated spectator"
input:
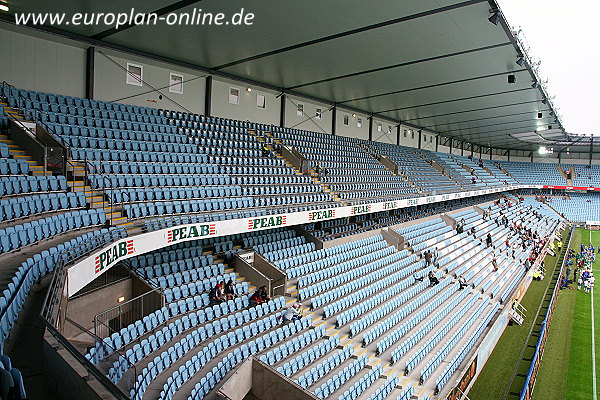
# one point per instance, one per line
(433, 280)
(263, 293)
(462, 282)
(495, 264)
(216, 294)
(292, 314)
(417, 277)
(230, 290)
(256, 298)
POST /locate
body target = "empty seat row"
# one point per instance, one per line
(18, 236)
(10, 166)
(25, 206)
(10, 185)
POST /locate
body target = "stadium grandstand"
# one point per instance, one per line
(266, 200)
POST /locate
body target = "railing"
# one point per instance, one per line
(531, 377)
(54, 317)
(92, 370)
(42, 136)
(114, 319)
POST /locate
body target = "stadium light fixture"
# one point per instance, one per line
(3, 7)
(248, 89)
(544, 101)
(520, 61)
(535, 85)
(494, 18)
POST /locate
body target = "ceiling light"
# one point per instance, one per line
(495, 18)
(353, 115)
(248, 89)
(3, 7)
(121, 299)
(520, 61)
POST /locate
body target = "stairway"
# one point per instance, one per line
(314, 176)
(97, 198)
(18, 154)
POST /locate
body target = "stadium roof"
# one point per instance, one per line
(440, 65)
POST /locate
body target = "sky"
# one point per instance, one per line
(565, 36)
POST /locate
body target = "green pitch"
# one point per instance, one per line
(568, 366)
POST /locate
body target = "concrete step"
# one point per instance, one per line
(117, 221)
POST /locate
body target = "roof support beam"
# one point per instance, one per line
(351, 32)
(432, 85)
(481, 119)
(474, 110)
(412, 107)
(400, 65)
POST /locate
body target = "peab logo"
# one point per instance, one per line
(319, 215)
(361, 209)
(390, 205)
(191, 232)
(112, 254)
(266, 222)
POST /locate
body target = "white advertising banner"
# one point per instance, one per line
(88, 269)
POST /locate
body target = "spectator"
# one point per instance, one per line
(488, 240)
(433, 280)
(292, 314)
(230, 290)
(265, 151)
(216, 294)
(427, 258)
(263, 293)
(417, 277)
(462, 282)
(256, 298)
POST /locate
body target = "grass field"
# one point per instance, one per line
(566, 371)
(567, 368)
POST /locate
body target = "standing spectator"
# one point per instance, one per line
(488, 240)
(427, 258)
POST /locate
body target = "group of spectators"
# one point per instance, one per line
(222, 292)
(321, 171)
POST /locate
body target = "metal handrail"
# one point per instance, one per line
(90, 368)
